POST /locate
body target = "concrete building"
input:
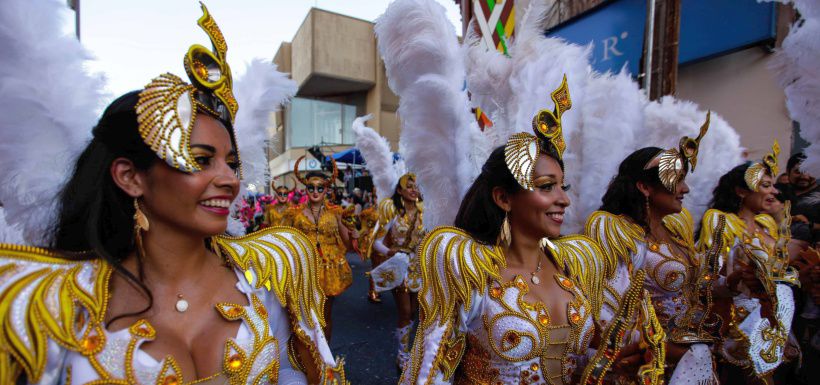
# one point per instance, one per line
(340, 75)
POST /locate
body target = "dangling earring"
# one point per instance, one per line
(140, 224)
(647, 208)
(504, 237)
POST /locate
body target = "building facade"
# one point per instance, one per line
(340, 75)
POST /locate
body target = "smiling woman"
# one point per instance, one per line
(140, 285)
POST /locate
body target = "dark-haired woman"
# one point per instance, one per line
(400, 231)
(278, 207)
(323, 223)
(140, 287)
(504, 299)
(755, 275)
(642, 224)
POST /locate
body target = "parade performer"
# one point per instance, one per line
(642, 224)
(385, 171)
(121, 295)
(400, 231)
(754, 280)
(276, 209)
(324, 224)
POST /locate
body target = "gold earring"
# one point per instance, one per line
(647, 207)
(505, 237)
(140, 224)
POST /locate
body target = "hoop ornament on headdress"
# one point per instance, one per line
(674, 163)
(522, 149)
(167, 107)
(301, 179)
(754, 174)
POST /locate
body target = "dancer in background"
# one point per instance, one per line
(323, 223)
(138, 285)
(755, 300)
(277, 208)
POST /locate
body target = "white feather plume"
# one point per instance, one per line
(260, 91)
(9, 233)
(376, 152)
(424, 64)
(48, 106)
(797, 69)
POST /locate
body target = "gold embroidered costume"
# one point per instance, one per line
(476, 328)
(53, 312)
(276, 214)
(335, 275)
(403, 232)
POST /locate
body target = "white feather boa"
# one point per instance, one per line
(48, 106)
(797, 70)
(376, 152)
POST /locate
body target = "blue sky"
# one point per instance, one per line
(134, 41)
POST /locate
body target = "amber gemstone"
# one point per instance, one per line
(521, 285)
(234, 311)
(262, 311)
(654, 247)
(534, 367)
(495, 292)
(566, 282)
(543, 319)
(90, 343)
(235, 362)
(574, 317)
(170, 380)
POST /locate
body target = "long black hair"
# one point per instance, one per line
(96, 217)
(478, 214)
(622, 197)
(724, 196)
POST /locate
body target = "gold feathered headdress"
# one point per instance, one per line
(168, 106)
(754, 174)
(674, 163)
(522, 149)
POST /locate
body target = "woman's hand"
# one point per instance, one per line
(630, 358)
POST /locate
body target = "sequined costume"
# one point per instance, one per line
(666, 274)
(54, 333)
(335, 275)
(749, 340)
(403, 232)
(275, 213)
(477, 328)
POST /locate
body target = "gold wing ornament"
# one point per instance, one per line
(617, 236)
(733, 228)
(283, 260)
(454, 267)
(45, 298)
(584, 261)
(754, 174)
(681, 226)
(674, 163)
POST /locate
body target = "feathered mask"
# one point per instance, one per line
(168, 106)
(754, 174)
(674, 163)
(522, 149)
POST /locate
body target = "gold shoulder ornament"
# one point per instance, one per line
(768, 165)
(168, 106)
(44, 296)
(681, 225)
(734, 228)
(522, 149)
(617, 236)
(453, 265)
(583, 260)
(674, 163)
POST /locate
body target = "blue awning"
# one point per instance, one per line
(354, 156)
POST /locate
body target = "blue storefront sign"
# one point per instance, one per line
(708, 28)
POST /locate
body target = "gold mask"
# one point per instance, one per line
(522, 149)
(168, 106)
(674, 163)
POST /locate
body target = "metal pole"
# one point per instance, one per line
(649, 44)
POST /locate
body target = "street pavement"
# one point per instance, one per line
(363, 331)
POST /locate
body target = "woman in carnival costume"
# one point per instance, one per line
(757, 303)
(278, 207)
(398, 236)
(642, 223)
(121, 295)
(331, 233)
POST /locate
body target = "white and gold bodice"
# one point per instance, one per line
(53, 330)
(478, 329)
(405, 232)
(751, 340)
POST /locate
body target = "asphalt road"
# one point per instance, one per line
(363, 332)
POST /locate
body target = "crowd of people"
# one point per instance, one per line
(137, 277)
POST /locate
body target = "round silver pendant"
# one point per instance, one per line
(182, 305)
(535, 279)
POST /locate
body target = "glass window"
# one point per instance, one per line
(316, 122)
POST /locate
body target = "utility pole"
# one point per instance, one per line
(661, 48)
